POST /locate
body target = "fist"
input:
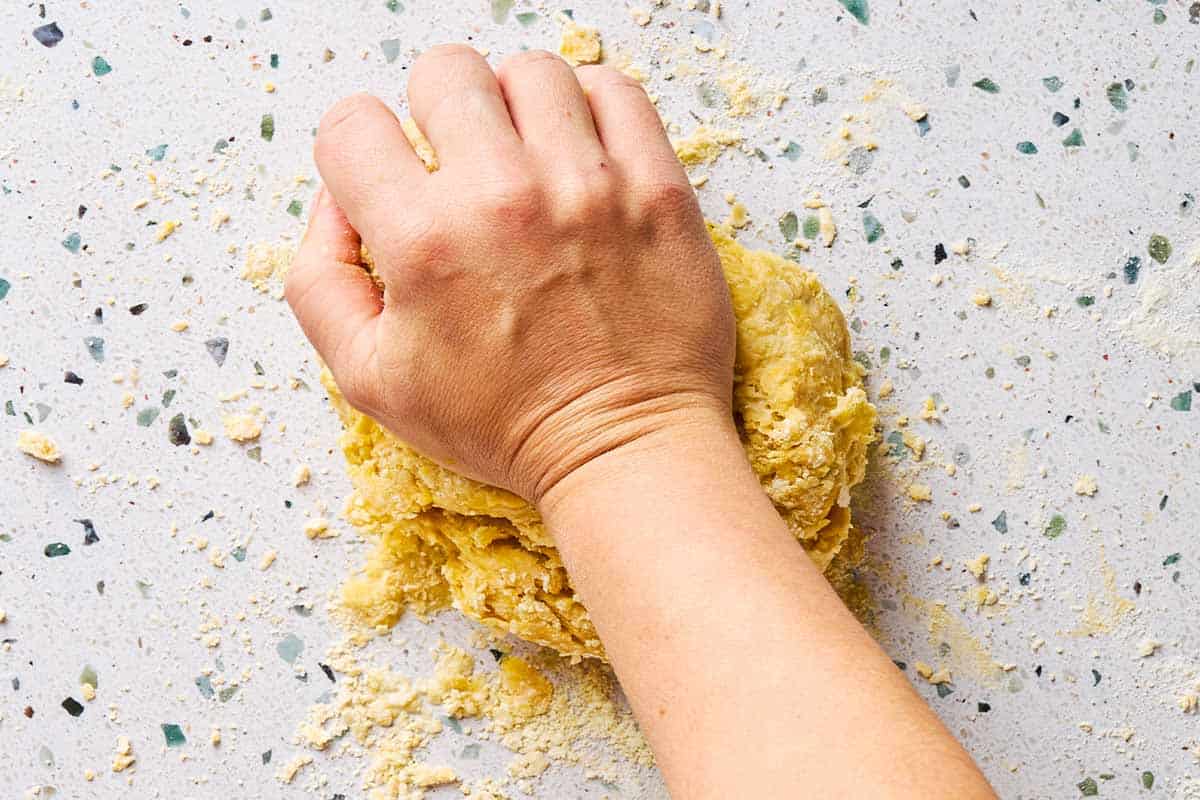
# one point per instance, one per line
(548, 295)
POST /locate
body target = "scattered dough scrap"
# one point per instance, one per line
(1086, 485)
(579, 45)
(242, 427)
(124, 757)
(266, 265)
(978, 565)
(39, 446)
(704, 144)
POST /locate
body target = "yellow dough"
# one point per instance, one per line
(443, 539)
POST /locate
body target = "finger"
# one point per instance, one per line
(366, 161)
(455, 99)
(334, 299)
(629, 126)
(547, 105)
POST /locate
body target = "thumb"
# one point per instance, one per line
(335, 300)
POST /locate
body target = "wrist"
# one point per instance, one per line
(681, 452)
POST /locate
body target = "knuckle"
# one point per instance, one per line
(433, 59)
(599, 76)
(345, 115)
(666, 198)
(530, 58)
(515, 201)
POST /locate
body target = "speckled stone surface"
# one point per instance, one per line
(1016, 240)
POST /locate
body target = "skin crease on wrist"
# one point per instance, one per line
(555, 321)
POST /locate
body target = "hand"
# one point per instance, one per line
(550, 292)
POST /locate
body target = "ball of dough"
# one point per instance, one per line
(443, 539)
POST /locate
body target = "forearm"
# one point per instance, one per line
(747, 674)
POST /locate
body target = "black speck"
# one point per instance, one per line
(1060, 118)
(939, 253)
(964, 182)
(1024, 578)
(73, 706)
(209, 515)
(1132, 267)
(72, 378)
(1163, 503)
(1137, 587)
(82, 210)
(138, 309)
(983, 707)
(1077, 103)
(1095, 678)
(1038, 670)
(328, 672)
(49, 35)
(496, 654)
(89, 531)
(266, 757)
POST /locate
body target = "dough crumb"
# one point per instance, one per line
(978, 565)
(242, 427)
(302, 475)
(704, 145)
(124, 757)
(267, 560)
(920, 492)
(203, 437)
(88, 691)
(287, 773)
(38, 445)
(579, 45)
(981, 299)
(266, 265)
(318, 529)
(1086, 485)
(1148, 647)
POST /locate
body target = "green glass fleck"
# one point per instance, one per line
(167, 397)
(1055, 527)
(791, 152)
(391, 49)
(1088, 787)
(885, 353)
(290, 648)
(1160, 16)
(1052, 84)
(898, 451)
(1075, 139)
(1132, 267)
(789, 225)
(146, 416)
(274, 60)
(173, 734)
(987, 85)
(95, 347)
(1160, 248)
(238, 553)
(267, 127)
(254, 454)
(1028, 148)
(943, 690)
(1148, 780)
(89, 676)
(295, 208)
(812, 226)
(1085, 300)
(226, 694)
(527, 18)
(4, 287)
(265, 15)
(1172, 559)
(1182, 401)
(56, 549)
(859, 9)
(1117, 96)
(1000, 523)
(872, 227)
(204, 684)
(72, 242)
(100, 67)
(500, 9)
(157, 153)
